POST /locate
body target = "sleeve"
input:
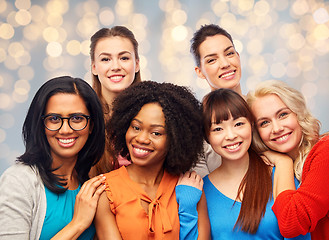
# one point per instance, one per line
(298, 211)
(16, 206)
(187, 198)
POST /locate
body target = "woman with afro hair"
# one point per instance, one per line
(158, 128)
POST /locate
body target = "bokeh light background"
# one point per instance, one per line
(279, 39)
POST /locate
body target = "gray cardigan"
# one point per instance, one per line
(23, 203)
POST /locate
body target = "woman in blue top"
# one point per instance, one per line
(239, 192)
(41, 195)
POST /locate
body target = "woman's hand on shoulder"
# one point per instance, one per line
(191, 179)
(272, 158)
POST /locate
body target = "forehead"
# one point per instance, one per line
(114, 45)
(65, 103)
(261, 105)
(214, 44)
(151, 113)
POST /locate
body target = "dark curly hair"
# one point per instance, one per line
(183, 120)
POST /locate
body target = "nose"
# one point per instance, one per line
(276, 126)
(115, 65)
(65, 129)
(143, 138)
(224, 62)
(230, 134)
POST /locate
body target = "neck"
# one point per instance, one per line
(108, 96)
(235, 168)
(149, 176)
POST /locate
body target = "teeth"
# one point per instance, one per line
(227, 74)
(141, 150)
(66, 140)
(282, 138)
(232, 147)
(116, 77)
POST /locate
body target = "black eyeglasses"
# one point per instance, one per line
(54, 122)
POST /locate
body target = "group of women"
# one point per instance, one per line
(114, 161)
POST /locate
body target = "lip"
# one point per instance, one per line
(228, 75)
(140, 152)
(234, 147)
(67, 142)
(283, 138)
(116, 78)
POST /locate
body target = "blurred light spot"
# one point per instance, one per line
(245, 5)
(321, 32)
(309, 89)
(3, 6)
(144, 47)
(32, 32)
(50, 34)
(2, 135)
(179, 17)
(22, 87)
(142, 62)
(16, 49)
(73, 47)
(287, 30)
(296, 41)
(311, 75)
(54, 20)
(258, 65)
(293, 70)
(7, 121)
(261, 8)
(219, 7)
(3, 55)
(86, 26)
(139, 20)
(179, 33)
(167, 6)
(91, 6)
(227, 21)
(300, 7)
(278, 70)
(106, 17)
(5, 101)
(11, 19)
(37, 13)
(321, 16)
(85, 47)
(281, 55)
(54, 49)
(23, 17)
(11, 63)
(26, 72)
(5, 152)
(6, 31)
(19, 96)
(23, 4)
(238, 46)
(254, 47)
(23, 60)
(280, 5)
(124, 7)
(1, 81)
(57, 6)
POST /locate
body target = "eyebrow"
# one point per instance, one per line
(152, 125)
(276, 113)
(215, 54)
(109, 54)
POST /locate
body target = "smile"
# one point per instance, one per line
(225, 75)
(140, 152)
(116, 78)
(233, 147)
(282, 138)
(66, 141)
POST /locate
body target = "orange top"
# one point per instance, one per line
(133, 222)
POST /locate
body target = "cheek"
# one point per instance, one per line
(264, 134)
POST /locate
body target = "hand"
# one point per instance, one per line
(274, 158)
(191, 179)
(86, 201)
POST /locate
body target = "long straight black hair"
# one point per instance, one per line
(37, 150)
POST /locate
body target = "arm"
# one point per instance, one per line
(299, 211)
(284, 172)
(105, 223)
(188, 194)
(84, 209)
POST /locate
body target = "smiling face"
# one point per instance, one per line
(219, 63)
(66, 143)
(231, 139)
(146, 137)
(277, 125)
(115, 64)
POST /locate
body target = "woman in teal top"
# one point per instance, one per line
(47, 194)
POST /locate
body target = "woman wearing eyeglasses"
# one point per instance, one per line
(47, 194)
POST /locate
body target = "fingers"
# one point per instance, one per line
(191, 179)
(90, 187)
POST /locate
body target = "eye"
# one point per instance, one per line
(77, 118)
(283, 114)
(105, 59)
(53, 119)
(157, 134)
(217, 129)
(136, 128)
(238, 124)
(125, 58)
(263, 123)
(211, 60)
(230, 53)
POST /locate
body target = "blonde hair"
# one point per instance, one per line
(295, 101)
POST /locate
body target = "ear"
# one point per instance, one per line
(137, 68)
(199, 72)
(93, 69)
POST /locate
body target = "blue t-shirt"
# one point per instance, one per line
(60, 209)
(223, 213)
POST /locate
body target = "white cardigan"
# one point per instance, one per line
(23, 203)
